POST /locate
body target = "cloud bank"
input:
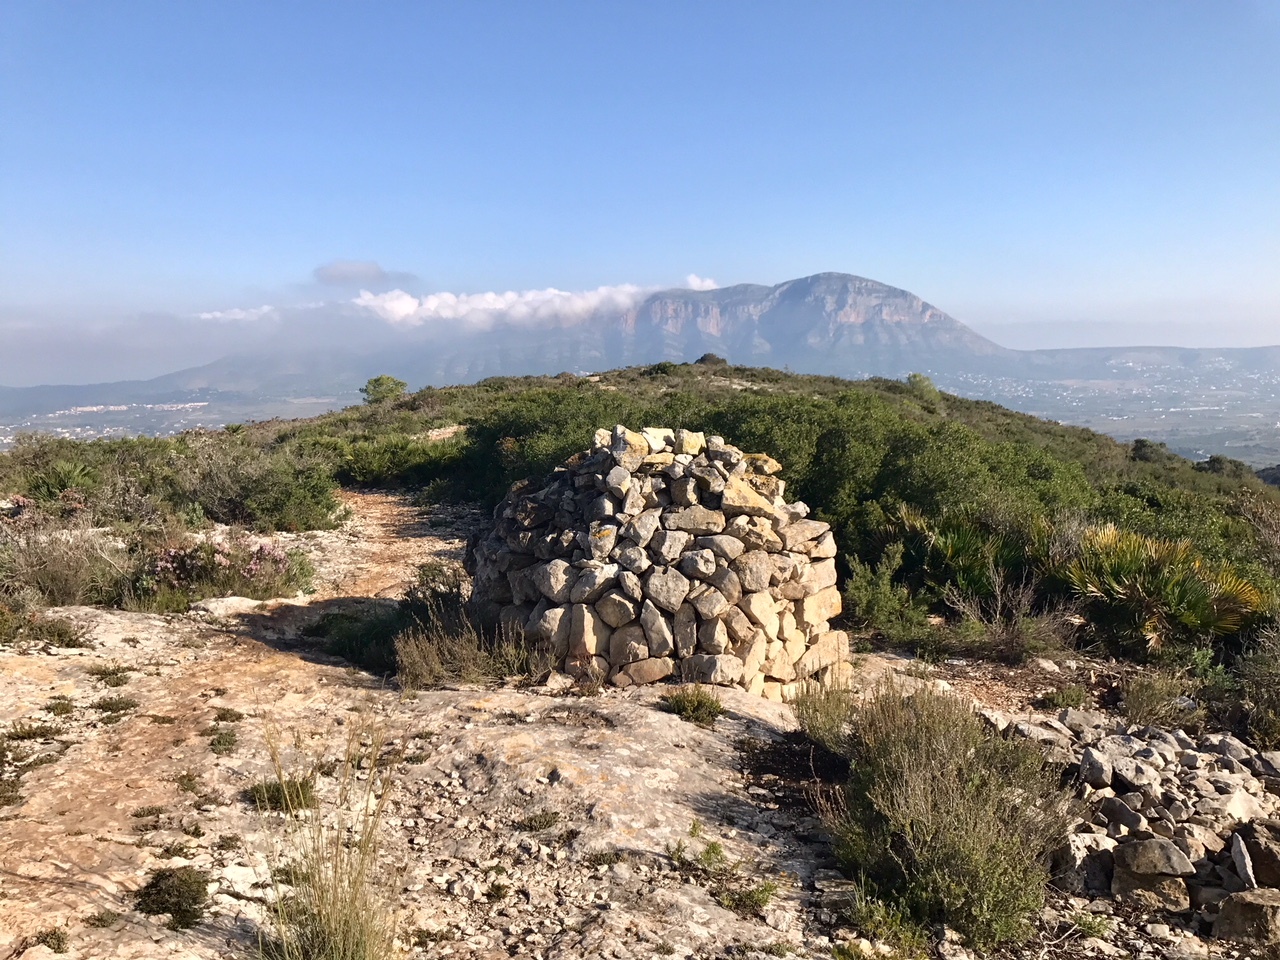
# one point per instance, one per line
(482, 310)
(239, 314)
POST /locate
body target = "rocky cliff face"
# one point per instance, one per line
(831, 323)
(832, 319)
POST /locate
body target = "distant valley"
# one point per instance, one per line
(1198, 401)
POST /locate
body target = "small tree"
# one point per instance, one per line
(383, 388)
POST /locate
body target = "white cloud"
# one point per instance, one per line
(695, 282)
(530, 307)
(238, 314)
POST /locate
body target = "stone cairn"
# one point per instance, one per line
(664, 554)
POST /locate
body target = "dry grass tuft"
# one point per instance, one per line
(332, 908)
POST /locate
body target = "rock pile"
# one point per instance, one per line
(1174, 823)
(665, 553)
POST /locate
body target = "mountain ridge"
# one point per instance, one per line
(829, 323)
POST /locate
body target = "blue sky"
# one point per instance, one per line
(1024, 166)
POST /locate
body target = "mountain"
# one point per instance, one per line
(1199, 401)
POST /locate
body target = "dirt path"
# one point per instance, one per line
(377, 551)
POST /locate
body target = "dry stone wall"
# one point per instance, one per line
(665, 554)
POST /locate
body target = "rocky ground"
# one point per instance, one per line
(520, 822)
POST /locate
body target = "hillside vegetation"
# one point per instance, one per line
(1018, 531)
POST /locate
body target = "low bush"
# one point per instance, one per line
(942, 820)
(55, 938)
(181, 892)
(1259, 672)
(1072, 696)
(172, 578)
(695, 704)
(285, 794)
(873, 599)
(1161, 698)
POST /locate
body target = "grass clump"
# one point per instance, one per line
(26, 730)
(604, 858)
(942, 820)
(142, 813)
(284, 794)
(539, 820)
(694, 704)
(1091, 924)
(114, 704)
(102, 919)
(188, 781)
(333, 910)
(1259, 671)
(109, 674)
(227, 715)
(747, 901)
(223, 742)
(60, 706)
(181, 892)
(1072, 696)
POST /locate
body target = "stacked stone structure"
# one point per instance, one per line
(666, 554)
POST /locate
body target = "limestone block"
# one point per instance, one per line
(754, 570)
(739, 624)
(698, 521)
(588, 633)
(686, 630)
(816, 609)
(627, 644)
(713, 637)
(688, 442)
(829, 648)
(763, 611)
(555, 580)
(727, 582)
(593, 581)
(740, 499)
(708, 601)
(666, 545)
(722, 670)
(666, 587)
(650, 670)
(616, 608)
(722, 545)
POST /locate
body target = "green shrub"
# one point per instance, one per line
(115, 704)
(1259, 672)
(223, 742)
(181, 892)
(173, 578)
(445, 642)
(1160, 698)
(1071, 696)
(941, 820)
(55, 938)
(695, 704)
(873, 599)
(287, 794)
